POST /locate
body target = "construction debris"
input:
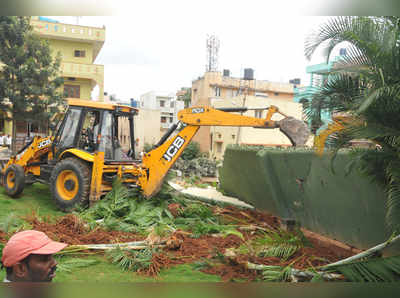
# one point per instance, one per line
(226, 255)
(296, 130)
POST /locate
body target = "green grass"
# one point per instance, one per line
(107, 272)
(34, 198)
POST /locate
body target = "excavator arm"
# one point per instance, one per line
(335, 126)
(157, 162)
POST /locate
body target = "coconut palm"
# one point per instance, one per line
(365, 84)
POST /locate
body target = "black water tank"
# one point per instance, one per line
(248, 74)
(226, 72)
(295, 81)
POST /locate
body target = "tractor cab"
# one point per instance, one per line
(90, 126)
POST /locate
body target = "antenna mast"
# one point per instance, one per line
(212, 46)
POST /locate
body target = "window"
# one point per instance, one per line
(261, 94)
(258, 114)
(171, 120)
(172, 104)
(217, 91)
(68, 132)
(79, 53)
(162, 103)
(73, 91)
(163, 119)
(276, 93)
(219, 147)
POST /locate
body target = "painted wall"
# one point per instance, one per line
(147, 128)
(299, 184)
(67, 49)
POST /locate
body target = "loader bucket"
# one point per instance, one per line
(296, 130)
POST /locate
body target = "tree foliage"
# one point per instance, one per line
(366, 85)
(29, 81)
(186, 97)
(191, 151)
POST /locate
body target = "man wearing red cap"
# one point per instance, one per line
(28, 257)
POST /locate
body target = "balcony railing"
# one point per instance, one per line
(167, 110)
(166, 125)
(67, 31)
(88, 71)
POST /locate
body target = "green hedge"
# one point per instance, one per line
(240, 176)
(299, 184)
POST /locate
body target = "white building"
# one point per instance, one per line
(165, 103)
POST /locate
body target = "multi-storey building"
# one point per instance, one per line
(319, 76)
(165, 103)
(217, 90)
(79, 46)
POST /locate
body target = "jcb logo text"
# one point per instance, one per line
(173, 149)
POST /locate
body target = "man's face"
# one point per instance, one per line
(41, 268)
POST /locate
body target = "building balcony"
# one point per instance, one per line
(52, 30)
(167, 110)
(166, 125)
(86, 71)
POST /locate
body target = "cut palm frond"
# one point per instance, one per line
(277, 244)
(374, 270)
(130, 260)
(276, 273)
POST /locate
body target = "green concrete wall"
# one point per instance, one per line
(299, 184)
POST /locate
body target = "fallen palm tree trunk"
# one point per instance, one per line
(296, 274)
(365, 254)
(135, 245)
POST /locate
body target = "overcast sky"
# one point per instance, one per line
(164, 49)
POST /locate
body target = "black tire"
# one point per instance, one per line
(14, 180)
(70, 184)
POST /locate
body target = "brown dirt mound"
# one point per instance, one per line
(69, 229)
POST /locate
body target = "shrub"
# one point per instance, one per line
(147, 147)
(191, 151)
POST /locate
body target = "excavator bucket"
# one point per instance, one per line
(296, 130)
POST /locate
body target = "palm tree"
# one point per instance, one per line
(366, 86)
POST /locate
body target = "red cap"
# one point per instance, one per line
(24, 243)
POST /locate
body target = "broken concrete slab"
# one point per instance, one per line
(296, 130)
(210, 195)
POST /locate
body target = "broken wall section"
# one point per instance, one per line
(298, 184)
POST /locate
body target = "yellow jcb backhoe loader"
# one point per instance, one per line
(84, 156)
